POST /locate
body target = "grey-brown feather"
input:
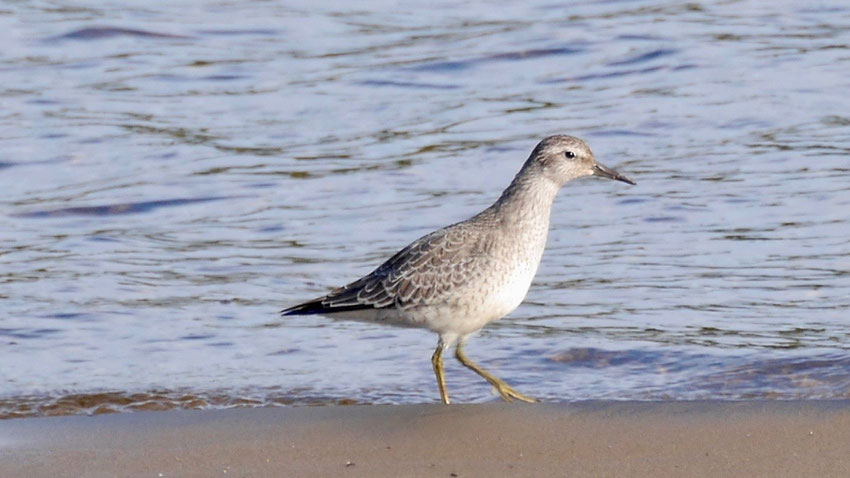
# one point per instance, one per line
(423, 273)
(457, 279)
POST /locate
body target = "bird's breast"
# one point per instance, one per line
(517, 266)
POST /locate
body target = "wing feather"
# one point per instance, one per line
(424, 272)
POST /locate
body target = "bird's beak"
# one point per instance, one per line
(606, 172)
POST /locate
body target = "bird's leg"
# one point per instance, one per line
(506, 391)
(437, 363)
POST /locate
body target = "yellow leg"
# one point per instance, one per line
(506, 391)
(437, 363)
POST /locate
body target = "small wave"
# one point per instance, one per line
(99, 33)
(117, 209)
(99, 403)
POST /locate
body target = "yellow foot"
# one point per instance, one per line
(506, 391)
(509, 394)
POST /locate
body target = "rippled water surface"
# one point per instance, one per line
(174, 174)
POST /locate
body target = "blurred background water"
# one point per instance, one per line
(172, 174)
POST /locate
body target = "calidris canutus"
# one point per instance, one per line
(456, 280)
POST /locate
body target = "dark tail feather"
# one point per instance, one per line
(307, 308)
(317, 307)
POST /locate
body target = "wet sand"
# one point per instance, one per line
(636, 439)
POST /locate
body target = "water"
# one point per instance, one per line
(173, 175)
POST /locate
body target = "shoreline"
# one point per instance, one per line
(702, 438)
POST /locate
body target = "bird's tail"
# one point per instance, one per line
(307, 308)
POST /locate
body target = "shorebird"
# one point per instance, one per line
(457, 279)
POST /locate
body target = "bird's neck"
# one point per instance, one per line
(527, 199)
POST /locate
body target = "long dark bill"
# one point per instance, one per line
(606, 172)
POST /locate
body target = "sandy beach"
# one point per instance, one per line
(637, 439)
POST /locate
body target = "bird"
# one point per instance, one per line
(457, 279)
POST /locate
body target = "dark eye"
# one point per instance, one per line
(570, 154)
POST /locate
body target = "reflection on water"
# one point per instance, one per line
(173, 178)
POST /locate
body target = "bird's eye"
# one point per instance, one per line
(570, 154)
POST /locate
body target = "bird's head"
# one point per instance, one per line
(562, 158)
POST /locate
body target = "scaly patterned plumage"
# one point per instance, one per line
(455, 280)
